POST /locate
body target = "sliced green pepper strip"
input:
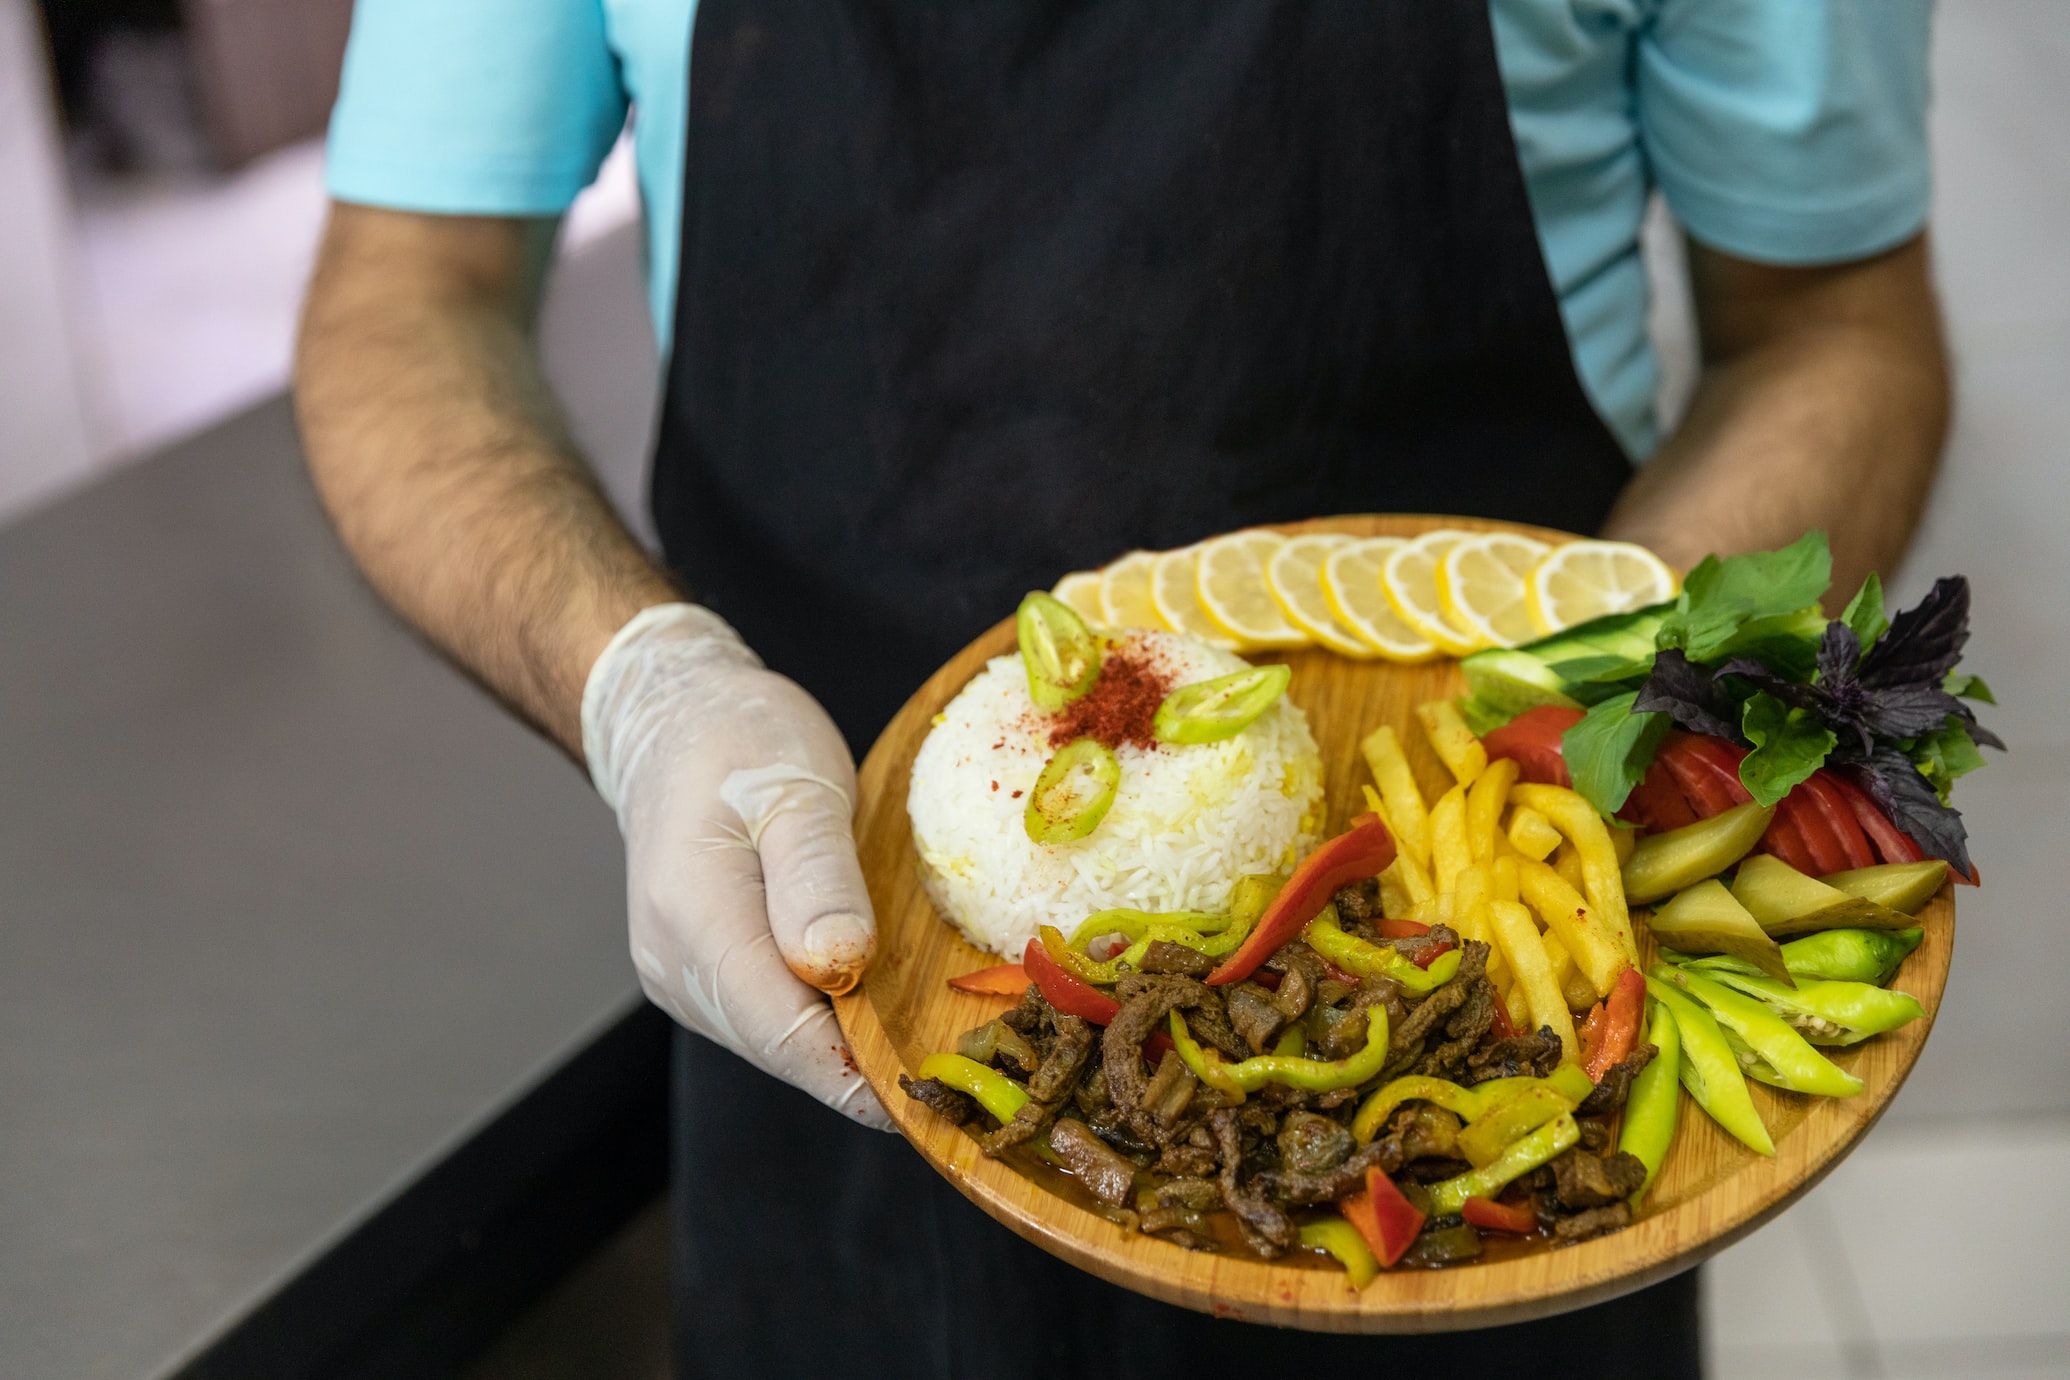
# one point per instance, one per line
(1293, 1041)
(1505, 1119)
(1830, 1013)
(999, 1095)
(1567, 1080)
(1710, 1070)
(1314, 1075)
(1524, 1154)
(1654, 1101)
(1768, 1048)
(1209, 934)
(1355, 955)
(1341, 1239)
(1831, 955)
(994, 1091)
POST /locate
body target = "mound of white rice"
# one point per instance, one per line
(1185, 824)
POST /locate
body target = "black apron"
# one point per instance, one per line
(974, 293)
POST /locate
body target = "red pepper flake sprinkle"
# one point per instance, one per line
(1122, 704)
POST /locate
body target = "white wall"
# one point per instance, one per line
(46, 436)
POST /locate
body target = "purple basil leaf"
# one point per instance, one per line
(1788, 691)
(1838, 651)
(1906, 711)
(1689, 695)
(1908, 798)
(1924, 642)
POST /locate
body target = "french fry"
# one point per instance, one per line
(1470, 918)
(1573, 986)
(1452, 740)
(1595, 950)
(1484, 802)
(1405, 882)
(1450, 851)
(1407, 816)
(1515, 1004)
(1584, 828)
(1436, 910)
(1504, 878)
(1517, 934)
(1532, 834)
(1566, 861)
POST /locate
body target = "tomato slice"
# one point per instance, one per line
(1833, 808)
(1706, 769)
(1657, 802)
(1532, 741)
(1891, 843)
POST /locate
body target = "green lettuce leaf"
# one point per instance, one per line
(1864, 612)
(1721, 596)
(1946, 754)
(1789, 745)
(1609, 750)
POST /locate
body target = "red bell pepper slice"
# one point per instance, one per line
(1618, 1030)
(1074, 996)
(1388, 1221)
(1006, 980)
(1500, 1026)
(1431, 953)
(1489, 1215)
(1532, 741)
(1065, 990)
(1364, 850)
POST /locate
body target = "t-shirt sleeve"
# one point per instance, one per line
(1789, 131)
(474, 107)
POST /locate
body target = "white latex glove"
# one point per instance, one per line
(735, 794)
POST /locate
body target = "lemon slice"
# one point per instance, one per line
(1125, 593)
(1410, 579)
(1080, 592)
(1351, 584)
(1233, 589)
(1174, 590)
(1587, 579)
(1295, 576)
(1483, 584)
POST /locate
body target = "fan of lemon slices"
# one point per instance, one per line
(1407, 599)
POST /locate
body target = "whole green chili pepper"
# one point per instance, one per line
(1837, 955)
(1465, 1103)
(1355, 955)
(1767, 1048)
(1653, 1102)
(1830, 1013)
(1341, 1239)
(1710, 1070)
(1524, 1154)
(1314, 1075)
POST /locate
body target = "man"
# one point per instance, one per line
(966, 294)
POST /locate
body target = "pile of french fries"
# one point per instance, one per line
(1532, 871)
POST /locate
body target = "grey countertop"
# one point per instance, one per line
(290, 911)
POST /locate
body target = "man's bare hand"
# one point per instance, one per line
(1823, 403)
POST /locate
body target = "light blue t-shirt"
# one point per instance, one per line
(1782, 131)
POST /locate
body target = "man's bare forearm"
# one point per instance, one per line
(443, 461)
(1824, 403)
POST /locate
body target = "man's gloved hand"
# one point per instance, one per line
(736, 795)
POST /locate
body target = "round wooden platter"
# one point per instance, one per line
(1711, 1192)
